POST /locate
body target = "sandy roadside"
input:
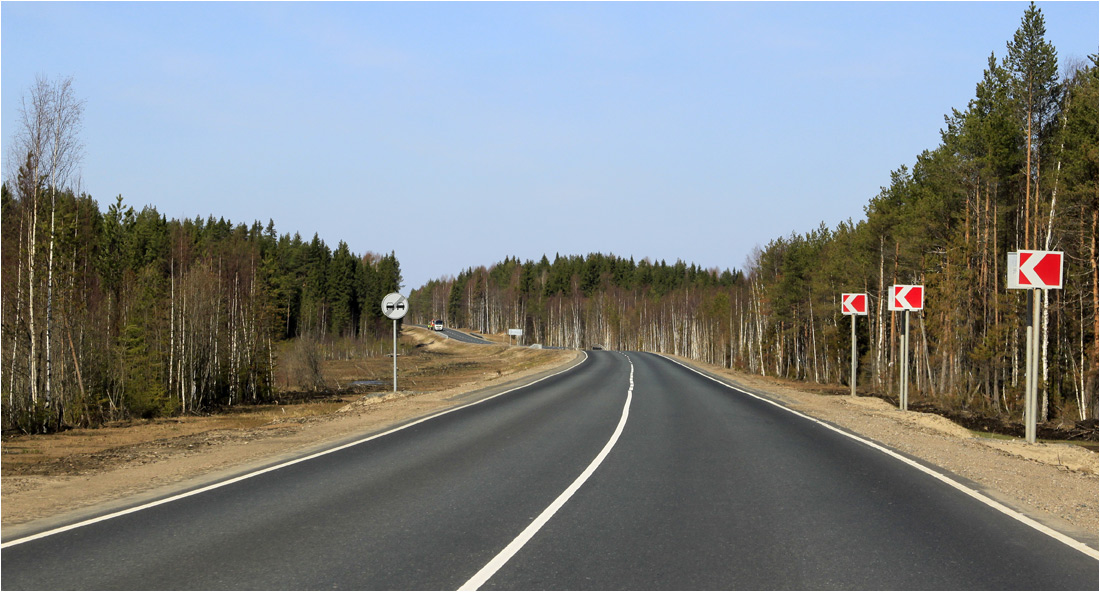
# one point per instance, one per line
(1053, 483)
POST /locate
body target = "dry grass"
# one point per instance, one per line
(430, 363)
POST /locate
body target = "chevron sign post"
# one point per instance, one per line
(853, 305)
(1035, 271)
(904, 297)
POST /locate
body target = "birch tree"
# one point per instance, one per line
(47, 146)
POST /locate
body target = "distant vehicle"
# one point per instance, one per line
(437, 325)
(597, 346)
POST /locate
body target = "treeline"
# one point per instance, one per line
(574, 301)
(1017, 169)
(126, 313)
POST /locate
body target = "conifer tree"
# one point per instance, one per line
(1033, 63)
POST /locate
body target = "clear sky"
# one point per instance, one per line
(456, 134)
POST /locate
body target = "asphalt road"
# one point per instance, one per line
(464, 337)
(627, 472)
(459, 335)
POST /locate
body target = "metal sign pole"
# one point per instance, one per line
(905, 298)
(908, 356)
(1028, 374)
(1034, 271)
(854, 349)
(1036, 360)
(1032, 361)
(903, 402)
(394, 306)
(395, 355)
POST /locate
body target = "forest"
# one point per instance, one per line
(124, 313)
(128, 314)
(1016, 169)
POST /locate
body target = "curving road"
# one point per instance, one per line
(629, 471)
(459, 335)
(464, 337)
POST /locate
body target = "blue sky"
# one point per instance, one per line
(456, 134)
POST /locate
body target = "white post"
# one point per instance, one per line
(1032, 362)
(903, 399)
(1025, 273)
(395, 355)
(854, 352)
(1036, 360)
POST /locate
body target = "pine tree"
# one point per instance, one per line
(1033, 63)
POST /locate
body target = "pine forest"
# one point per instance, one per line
(1016, 170)
(124, 313)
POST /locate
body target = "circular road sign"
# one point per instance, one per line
(395, 306)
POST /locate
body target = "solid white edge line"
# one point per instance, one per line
(220, 484)
(1068, 541)
(532, 529)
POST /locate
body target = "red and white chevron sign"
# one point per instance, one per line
(853, 304)
(906, 297)
(1035, 269)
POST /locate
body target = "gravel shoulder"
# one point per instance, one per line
(1056, 484)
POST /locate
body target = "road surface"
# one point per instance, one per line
(629, 471)
(459, 335)
(464, 337)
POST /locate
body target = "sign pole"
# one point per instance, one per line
(905, 298)
(1034, 271)
(854, 305)
(903, 400)
(1029, 333)
(1031, 396)
(1036, 359)
(395, 355)
(854, 350)
(394, 306)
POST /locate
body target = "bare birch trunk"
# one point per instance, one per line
(49, 296)
(15, 338)
(33, 358)
(1095, 298)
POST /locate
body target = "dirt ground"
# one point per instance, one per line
(59, 477)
